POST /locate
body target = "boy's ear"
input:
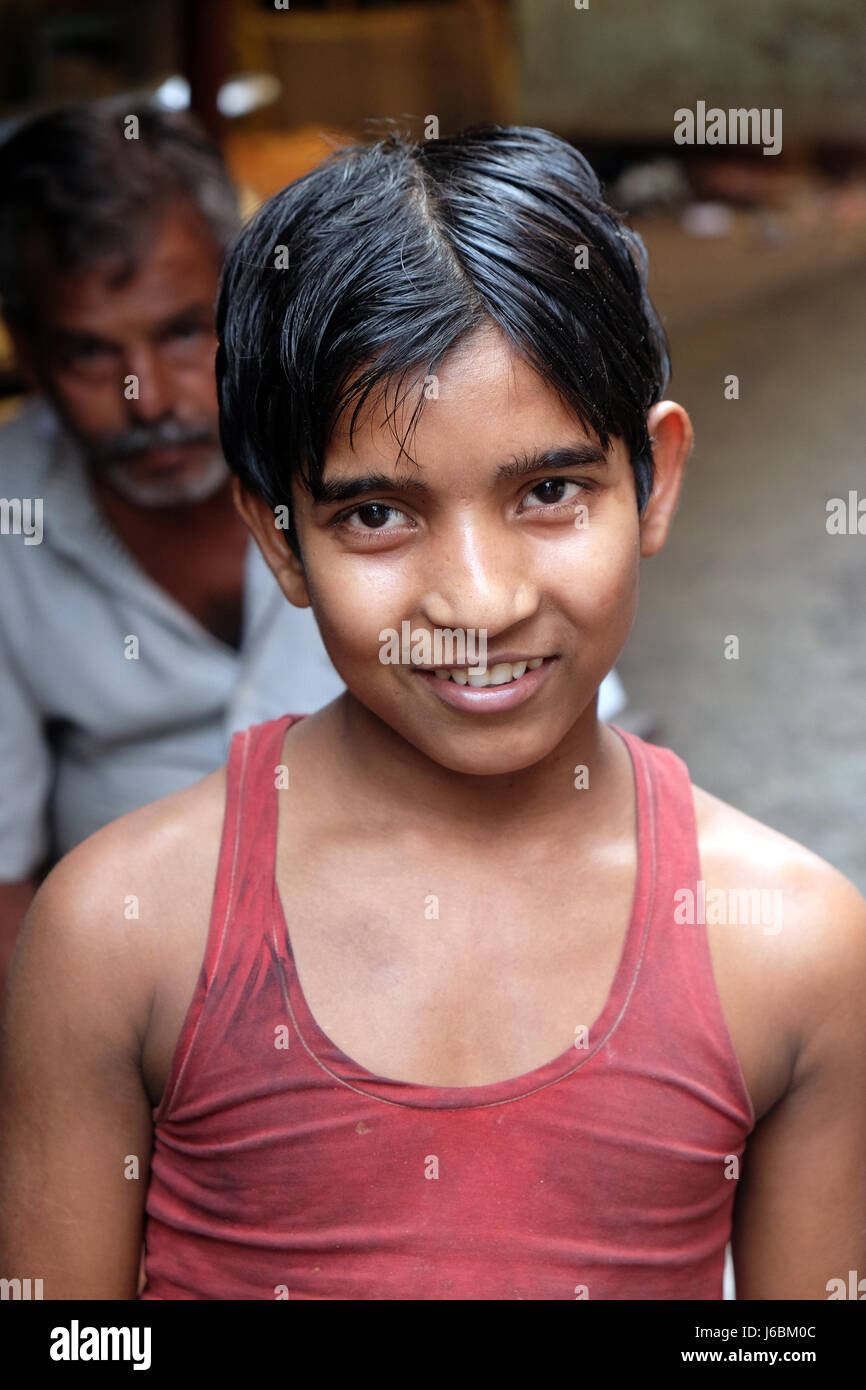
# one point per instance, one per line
(271, 540)
(671, 432)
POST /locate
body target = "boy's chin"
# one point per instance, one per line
(492, 754)
(484, 748)
(496, 763)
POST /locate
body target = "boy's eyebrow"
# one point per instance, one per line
(578, 455)
(341, 489)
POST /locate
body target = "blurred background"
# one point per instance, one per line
(758, 269)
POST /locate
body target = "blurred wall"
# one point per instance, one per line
(453, 59)
(622, 68)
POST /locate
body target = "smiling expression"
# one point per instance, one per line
(503, 516)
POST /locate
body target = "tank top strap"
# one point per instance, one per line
(679, 996)
(245, 876)
(665, 788)
(241, 905)
(669, 806)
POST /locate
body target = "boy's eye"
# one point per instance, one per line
(552, 491)
(372, 515)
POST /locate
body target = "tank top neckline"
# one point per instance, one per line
(345, 1071)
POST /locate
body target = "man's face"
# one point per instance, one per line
(544, 562)
(130, 367)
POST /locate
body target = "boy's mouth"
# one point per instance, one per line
(495, 673)
(501, 685)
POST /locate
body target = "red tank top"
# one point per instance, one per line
(282, 1168)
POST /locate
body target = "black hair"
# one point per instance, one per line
(74, 177)
(386, 254)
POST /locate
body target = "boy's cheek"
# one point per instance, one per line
(599, 583)
(616, 586)
(594, 587)
(353, 601)
(349, 621)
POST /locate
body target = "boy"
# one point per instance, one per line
(413, 1000)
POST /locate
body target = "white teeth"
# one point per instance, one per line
(500, 674)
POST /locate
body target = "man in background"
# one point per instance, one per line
(139, 626)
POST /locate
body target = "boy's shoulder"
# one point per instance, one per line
(133, 900)
(743, 852)
(154, 852)
(132, 906)
(159, 863)
(789, 924)
(787, 936)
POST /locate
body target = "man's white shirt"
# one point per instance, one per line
(92, 723)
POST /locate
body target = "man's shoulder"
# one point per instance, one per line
(25, 449)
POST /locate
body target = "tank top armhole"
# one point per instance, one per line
(220, 917)
(681, 798)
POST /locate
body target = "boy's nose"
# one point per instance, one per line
(478, 584)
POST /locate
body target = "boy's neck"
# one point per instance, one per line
(381, 770)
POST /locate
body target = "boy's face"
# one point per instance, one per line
(545, 563)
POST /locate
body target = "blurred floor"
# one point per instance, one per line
(781, 732)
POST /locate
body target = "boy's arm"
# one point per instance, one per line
(800, 1213)
(15, 898)
(74, 1110)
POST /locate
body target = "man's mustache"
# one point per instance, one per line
(165, 434)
